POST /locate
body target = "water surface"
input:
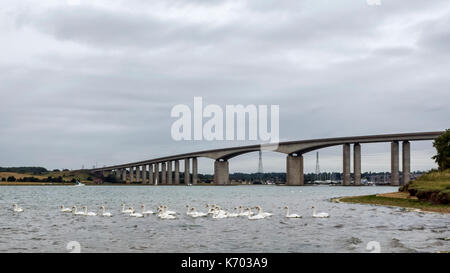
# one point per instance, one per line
(42, 228)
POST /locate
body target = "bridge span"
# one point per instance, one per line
(166, 170)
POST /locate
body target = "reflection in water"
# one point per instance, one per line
(43, 228)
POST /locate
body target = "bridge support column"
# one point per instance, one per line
(124, 175)
(177, 172)
(294, 170)
(346, 165)
(117, 174)
(138, 174)
(406, 162)
(221, 172)
(144, 174)
(194, 171)
(131, 175)
(169, 172)
(187, 175)
(163, 173)
(395, 164)
(150, 174)
(357, 163)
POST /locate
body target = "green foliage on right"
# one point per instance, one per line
(442, 145)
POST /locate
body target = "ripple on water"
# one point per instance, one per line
(42, 224)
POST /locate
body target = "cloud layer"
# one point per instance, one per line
(94, 83)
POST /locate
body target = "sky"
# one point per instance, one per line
(86, 83)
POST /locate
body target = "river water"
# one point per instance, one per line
(43, 228)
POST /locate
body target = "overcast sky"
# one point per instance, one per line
(94, 83)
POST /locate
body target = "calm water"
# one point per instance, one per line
(42, 228)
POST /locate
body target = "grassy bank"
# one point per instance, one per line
(405, 201)
(433, 186)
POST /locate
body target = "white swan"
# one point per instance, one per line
(126, 210)
(162, 214)
(218, 214)
(137, 215)
(246, 213)
(195, 214)
(167, 217)
(254, 217)
(260, 212)
(105, 214)
(233, 214)
(291, 215)
(63, 209)
(210, 209)
(188, 210)
(167, 211)
(75, 212)
(17, 208)
(146, 212)
(88, 213)
(320, 215)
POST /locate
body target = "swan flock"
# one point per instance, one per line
(163, 212)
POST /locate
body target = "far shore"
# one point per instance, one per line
(395, 199)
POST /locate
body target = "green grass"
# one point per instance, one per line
(397, 202)
(433, 186)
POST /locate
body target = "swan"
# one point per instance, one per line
(88, 213)
(291, 215)
(254, 217)
(126, 211)
(210, 209)
(105, 214)
(320, 215)
(167, 217)
(65, 209)
(146, 212)
(75, 212)
(196, 214)
(188, 210)
(17, 208)
(219, 215)
(170, 212)
(137, 215)
(233, 214)
(247, 212)
(260, 212)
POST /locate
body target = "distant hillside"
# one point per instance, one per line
(28, 170)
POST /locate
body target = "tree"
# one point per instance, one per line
(11, 179)
(442, 145)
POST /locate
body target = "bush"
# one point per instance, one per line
(11, 179)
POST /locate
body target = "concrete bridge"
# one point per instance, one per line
(166, 170)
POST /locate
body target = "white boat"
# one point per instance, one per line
(79, 184)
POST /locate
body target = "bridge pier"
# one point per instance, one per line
(131, 175)
(346, 164)
(221, 172)
(395, 164)
(194, 171)
(124, 175)
(150, 174)
(406, 162)
(294, 170)
(163, 173)
(144, 174)
(187, 176)
(138, 174)
(177, 172)
(357, 164)
(169, 172)
(117, 174)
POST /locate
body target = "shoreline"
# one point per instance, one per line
(397, 200)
